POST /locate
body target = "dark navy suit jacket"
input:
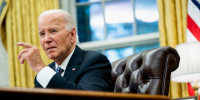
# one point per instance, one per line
(92, 72)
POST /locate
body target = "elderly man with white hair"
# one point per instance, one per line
(73, 68)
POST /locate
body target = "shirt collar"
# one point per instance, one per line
(65, 62)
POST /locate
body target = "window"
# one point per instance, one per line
(117, 28)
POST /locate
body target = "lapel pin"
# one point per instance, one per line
(73, 69)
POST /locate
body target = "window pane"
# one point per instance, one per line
(90, 23)
(146, 13)
(119, 18)
(115, 54)
(141, 48)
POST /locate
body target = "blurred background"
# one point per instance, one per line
(100, 22)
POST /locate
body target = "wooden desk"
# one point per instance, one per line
(61, 94)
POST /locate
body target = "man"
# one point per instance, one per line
(85, 70)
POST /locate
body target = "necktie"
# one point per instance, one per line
(59, 70)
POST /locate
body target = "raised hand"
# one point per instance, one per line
(32, 55)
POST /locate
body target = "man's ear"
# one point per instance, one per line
(73, 34)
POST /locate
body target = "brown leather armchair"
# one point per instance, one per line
(147, 72)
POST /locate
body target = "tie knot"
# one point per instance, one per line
(59, 70)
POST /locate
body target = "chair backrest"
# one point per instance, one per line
(147, 72)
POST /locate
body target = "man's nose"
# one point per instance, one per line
(48, 39)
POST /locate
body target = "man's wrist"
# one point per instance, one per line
(40, 68)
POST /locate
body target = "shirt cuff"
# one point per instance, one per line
(45, 75)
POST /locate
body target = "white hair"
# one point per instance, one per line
(67, 17)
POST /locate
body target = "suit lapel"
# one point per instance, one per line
(52, 66)
(73, 65)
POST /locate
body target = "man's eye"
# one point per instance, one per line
(42, 34)
(53, 31)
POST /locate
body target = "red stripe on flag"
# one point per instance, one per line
(193, 27)
(190, 90)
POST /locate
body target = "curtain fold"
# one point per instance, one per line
(19, 23)
(172, 28)
(3, 11)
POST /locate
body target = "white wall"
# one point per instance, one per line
(4, 76)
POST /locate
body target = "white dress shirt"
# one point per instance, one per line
(46, 73)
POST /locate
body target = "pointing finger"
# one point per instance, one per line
(26, 45)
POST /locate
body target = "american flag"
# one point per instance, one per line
(193, 28)
(193, 21)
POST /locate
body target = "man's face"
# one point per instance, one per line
(55, 39)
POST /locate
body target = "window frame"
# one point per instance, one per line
(131, 41)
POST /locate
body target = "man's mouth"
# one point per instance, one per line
(50, 48)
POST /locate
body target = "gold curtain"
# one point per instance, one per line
(172, 28)
(3, 11)
(20, 24)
